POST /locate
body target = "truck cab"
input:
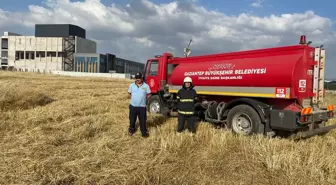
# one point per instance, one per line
(155, 76)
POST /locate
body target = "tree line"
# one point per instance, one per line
(330, 85)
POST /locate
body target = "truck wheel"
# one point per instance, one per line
(154, 105)
(244, 120)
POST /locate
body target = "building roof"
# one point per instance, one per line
(59, 25)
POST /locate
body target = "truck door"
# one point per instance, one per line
(152, 77)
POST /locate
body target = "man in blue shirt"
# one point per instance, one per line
(138, 92)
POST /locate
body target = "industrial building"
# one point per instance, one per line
(108, 63)
(51, 49)
(127, 66)
(59, 47)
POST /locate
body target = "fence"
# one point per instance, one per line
(331, 91)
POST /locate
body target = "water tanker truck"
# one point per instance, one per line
(266, 91)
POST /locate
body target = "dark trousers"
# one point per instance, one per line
(191, 120)
(134, 113)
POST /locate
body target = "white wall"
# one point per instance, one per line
(31, 43)
(35, 44)
(47, 64)
(103, 75)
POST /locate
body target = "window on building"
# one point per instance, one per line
(80, 59)
(40, 54)
(19, 55)
(51, 54)
(102, 60)
(4, 54)
(94, 59)
(30, 55)
(60, 54)
(4, 62)
(120, 62)
(4, 43)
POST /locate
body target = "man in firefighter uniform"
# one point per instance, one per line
(186, 99)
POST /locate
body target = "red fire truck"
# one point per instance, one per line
(265, 91)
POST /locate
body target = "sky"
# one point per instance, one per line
(140, 29)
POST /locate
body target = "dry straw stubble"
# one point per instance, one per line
(62, 130)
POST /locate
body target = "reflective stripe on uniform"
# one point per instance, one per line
(186, 100)
(183, 112)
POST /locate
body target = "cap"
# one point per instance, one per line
(138, 76)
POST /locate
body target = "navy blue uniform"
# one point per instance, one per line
(186, 98)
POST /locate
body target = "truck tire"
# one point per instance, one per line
(244, 120)
(154, 105)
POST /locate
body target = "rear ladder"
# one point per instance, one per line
(318, 78)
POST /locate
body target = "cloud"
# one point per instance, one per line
(257, 4)
(143, 29)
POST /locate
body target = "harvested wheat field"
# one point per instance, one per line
(62, 130)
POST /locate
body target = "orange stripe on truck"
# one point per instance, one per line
(306, 111)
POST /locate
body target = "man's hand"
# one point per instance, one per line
(129, 96)
(148, 96)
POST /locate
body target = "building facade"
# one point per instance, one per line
(59, 47)
(29, 53)
(44, 54)
(128, 66)
(90, 62)
(105, 63)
